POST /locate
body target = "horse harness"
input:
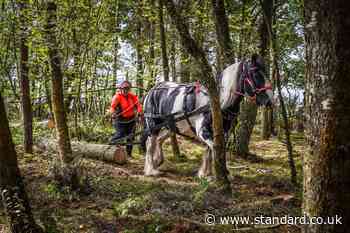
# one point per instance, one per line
(246, 79)
(189, 110)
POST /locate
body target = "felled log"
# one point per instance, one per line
(109, 153)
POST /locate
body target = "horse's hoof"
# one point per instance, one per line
(153, 173)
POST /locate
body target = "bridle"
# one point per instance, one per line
(246, 78)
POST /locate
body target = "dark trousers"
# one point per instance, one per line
(124, 129)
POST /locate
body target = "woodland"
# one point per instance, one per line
(62, 61)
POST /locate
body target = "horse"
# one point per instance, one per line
(245, 78)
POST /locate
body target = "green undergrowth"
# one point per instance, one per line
(121, 199)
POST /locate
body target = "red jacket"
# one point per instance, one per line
(128, 104)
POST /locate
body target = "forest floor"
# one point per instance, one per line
(121, 199)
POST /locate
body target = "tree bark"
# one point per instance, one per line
(327, 165)
(247, 118)
(223, 31)
(185, 73)
(116, 40)
(65, 150)
(275, 57)
(139, 52)
(293, 171)
(185, 59)
(92, 151)
(266, 123)
(264, 47)
(24, 77)
(174, 144)
(173, 52)
(244, 130)
(165, 62)
(208, 80)
(13, 195)
(151, 58)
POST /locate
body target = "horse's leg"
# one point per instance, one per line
(159, 156)
(151, 144)
(206, 168)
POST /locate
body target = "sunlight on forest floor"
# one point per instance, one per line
(121, 199)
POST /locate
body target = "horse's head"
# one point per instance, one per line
(255, 83)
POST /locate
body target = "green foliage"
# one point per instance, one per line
(201, 190)
(129, 206)
(17, 133)
(158, 225)
(57, 192)
(53, 191)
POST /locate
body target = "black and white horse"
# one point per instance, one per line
(236, 81)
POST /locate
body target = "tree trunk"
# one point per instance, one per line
(165, 62)
(222, 31)
(293, 171)
(244, 130)
(89, 150)
(224, 52)
(13, 195)
(265, 123)
(185, 74)
(208, 80)
(242, 33)
(275, 57)
(173, 61)
(327, 165)
(219, 59)
(173, 52)
(185, 70)
(48, 92)
(151, 62)
(116, 41)
(65, 150)
(267, 7)
(76, 76)
(174, 144)
(25, 86)
(248, 111)
(139, 52)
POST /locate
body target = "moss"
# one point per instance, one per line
(132, 205)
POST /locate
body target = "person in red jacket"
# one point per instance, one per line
(125, 108)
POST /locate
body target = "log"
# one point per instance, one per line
(109, 153)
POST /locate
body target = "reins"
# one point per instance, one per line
(247, 79)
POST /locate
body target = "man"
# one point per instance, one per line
(125, 108)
